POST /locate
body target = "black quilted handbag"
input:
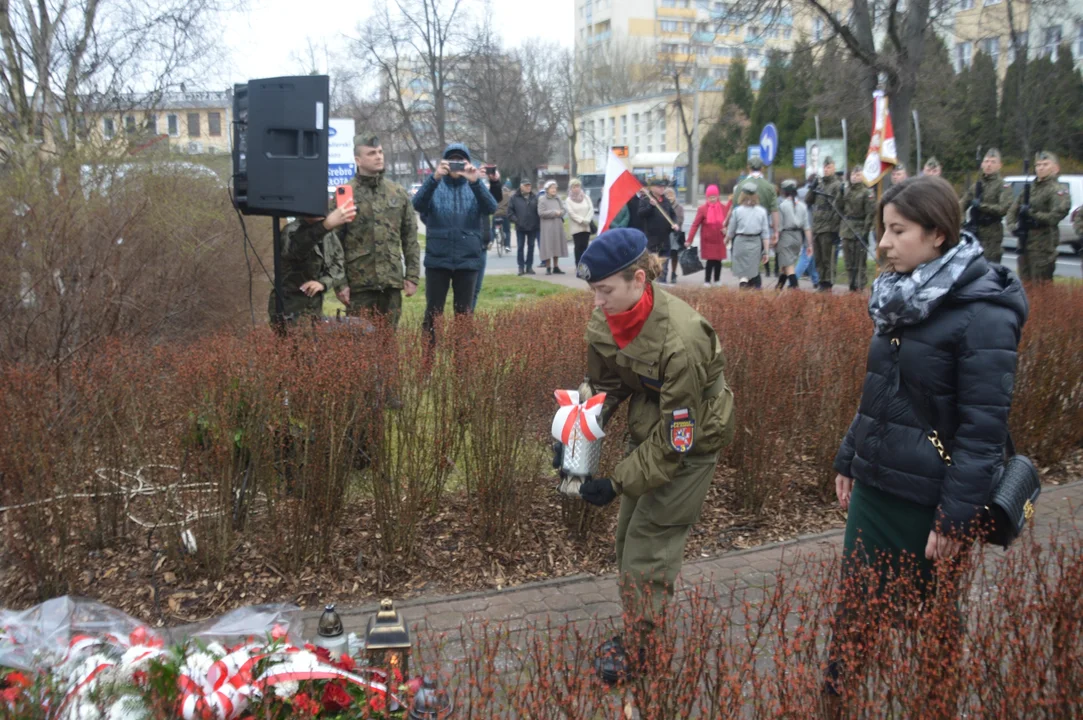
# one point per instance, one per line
(1014, 492)
(1011, 503)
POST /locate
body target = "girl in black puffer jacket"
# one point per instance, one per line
(947, 325)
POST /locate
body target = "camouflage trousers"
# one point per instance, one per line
(856, 262)
(1039, 262)
(823, 247)
(385, 301)
(991, 238)
(651, 534)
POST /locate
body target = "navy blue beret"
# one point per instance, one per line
(612, 251)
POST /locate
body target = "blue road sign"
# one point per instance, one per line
(768, 143)
(754, 152)
(799, 157)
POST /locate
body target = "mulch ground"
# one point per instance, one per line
(155, 587)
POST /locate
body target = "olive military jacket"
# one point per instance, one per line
(996, 199)
(673, 374)
(824, 219)
(765, 193)
(859, 207)
(308, 256)
(1049, 204)
(381, 238)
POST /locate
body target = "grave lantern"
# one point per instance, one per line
(387, 643)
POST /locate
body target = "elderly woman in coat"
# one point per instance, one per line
(552, 240)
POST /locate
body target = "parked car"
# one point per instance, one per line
(1069, 243)
(593, 184)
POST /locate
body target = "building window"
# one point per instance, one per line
(991, 47)
(612, 131)
(193, 124)
(624, 129)
(1050, 41)
(966, 4)
(171, 125)
(818, 29)
(962, 56)
(214, 124)
(635, 131)
(80, 127)
(669, 26)
(1021, 40)
(661, 131)
(991, 2)
(109, 128)
(129, 124)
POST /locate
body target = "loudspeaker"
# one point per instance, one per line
(280, 145)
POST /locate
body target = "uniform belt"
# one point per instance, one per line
(793, 228)
(748, 235)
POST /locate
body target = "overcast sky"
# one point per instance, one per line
(265, 41)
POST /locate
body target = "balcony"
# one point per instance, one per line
(703, 37)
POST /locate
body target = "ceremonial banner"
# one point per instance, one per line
(620, 186)
(881, 156)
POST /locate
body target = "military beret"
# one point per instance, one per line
(749, 187)
(1045, 155)
(932, 163)
(828, 160)
(756, 163)
(612, 251)
(366, 138)
(789, 184)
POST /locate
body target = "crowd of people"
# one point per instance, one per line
(941, 363)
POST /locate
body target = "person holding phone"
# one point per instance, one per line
(378, 230)
(452, 203)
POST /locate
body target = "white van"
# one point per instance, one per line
(1069, 243)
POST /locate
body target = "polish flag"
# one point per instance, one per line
(881, 157)
(620, 186)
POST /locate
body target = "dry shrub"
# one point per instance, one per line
(146, 251)
(1047, 411)
(765, 652)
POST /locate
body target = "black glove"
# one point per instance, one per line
(558, 455)
(1024, 212)
(975, 204)
(598, 492)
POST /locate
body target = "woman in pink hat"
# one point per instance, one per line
(711, 216)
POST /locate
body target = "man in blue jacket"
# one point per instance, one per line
(452, 204)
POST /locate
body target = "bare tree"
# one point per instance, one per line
(416, 48)
(64, 61)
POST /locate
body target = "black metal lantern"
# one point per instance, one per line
(430, 702)
(387, 643)
(330, 635)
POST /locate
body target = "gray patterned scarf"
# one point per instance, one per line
(900, 299)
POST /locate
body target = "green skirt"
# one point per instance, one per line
(888, 533)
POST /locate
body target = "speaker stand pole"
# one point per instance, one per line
(279, 321)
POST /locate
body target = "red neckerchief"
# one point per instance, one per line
(626, 325)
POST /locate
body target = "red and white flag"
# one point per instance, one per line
(620, 186)
(881, 156)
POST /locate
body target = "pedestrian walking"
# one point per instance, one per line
(749, 234)
(552, 240)
(768, 198)
(452, 204)
(1049, 204)
(653, 349)
(500, 217)
(676, 237)
(827, 198)
(580, 217)
(859, 207)
(941, 369)
(496, 189)
(796, 233)
(711, 220)
(523, 212)
(985, 204)
(378, 233)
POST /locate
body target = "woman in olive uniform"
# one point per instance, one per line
(652, 349)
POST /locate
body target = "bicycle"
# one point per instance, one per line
(498, 240)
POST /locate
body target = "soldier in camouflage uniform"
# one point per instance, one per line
(859, 207)
(986, 203)
(825, 223)
(1049, 204)
(768, 198)
(378, 234)
(312, 263)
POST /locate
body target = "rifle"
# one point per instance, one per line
(971, 224)
(1022, 223)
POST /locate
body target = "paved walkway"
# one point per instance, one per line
(595, 598)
